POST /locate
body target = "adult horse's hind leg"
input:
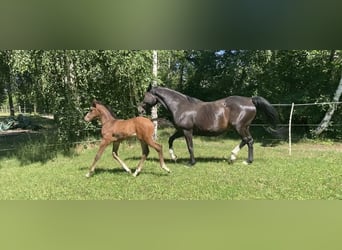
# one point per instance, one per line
(236, 150)
(116, 145)
(145, 152)
(246, 139)
(189, 143)
(250, 143)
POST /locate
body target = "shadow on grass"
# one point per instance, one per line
(259, 134)
(121, 171)
(28, 146)
(184, 160)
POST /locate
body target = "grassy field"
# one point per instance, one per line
(39, 173)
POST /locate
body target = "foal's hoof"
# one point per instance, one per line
(247, 162)
(89, 174)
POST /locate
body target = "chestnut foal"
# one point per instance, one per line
(117, 130)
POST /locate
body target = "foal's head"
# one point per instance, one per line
(99, 110)
(93, 113)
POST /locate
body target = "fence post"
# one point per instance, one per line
(290, 125)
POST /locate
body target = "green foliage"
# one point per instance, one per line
(64, 82)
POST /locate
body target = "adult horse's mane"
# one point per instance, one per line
(192, 99)
(188, 98)
(107, 107)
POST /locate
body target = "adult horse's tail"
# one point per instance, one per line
(270, 112)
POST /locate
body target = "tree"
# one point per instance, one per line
(329, 114)
(154, 110)
(7, 78)
(64, 82)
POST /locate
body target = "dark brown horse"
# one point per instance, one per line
(117, 130)
(192, 116)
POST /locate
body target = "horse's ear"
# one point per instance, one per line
(94, 103)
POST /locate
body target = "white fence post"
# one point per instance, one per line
(290, 125)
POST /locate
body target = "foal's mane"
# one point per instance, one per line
(107, 107)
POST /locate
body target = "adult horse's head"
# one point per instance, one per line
(149, 100)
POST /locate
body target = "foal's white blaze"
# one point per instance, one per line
(172, 154)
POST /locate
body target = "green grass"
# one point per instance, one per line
(312, 172)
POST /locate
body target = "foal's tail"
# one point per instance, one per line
(270, 112)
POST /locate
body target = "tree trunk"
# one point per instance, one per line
(10, 102)
(326, 120)
(154, 111)
(10, 97)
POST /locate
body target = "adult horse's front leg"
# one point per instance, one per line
(103, 145)
(173, 137)
(189, 143)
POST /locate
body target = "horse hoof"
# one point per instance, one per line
(246, 162)
(88, 175)
(191, 164)
(172, 155)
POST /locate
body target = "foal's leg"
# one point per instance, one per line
(116, 145)
(103, 145)
(189, 143)
(159, 149)
(145, 152)
(173, 137)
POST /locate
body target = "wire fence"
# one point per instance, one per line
(12, 145)
(5, 109)
(290, 125)
(305, 104)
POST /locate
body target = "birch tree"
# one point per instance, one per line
(326, 120)
(154, 111)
